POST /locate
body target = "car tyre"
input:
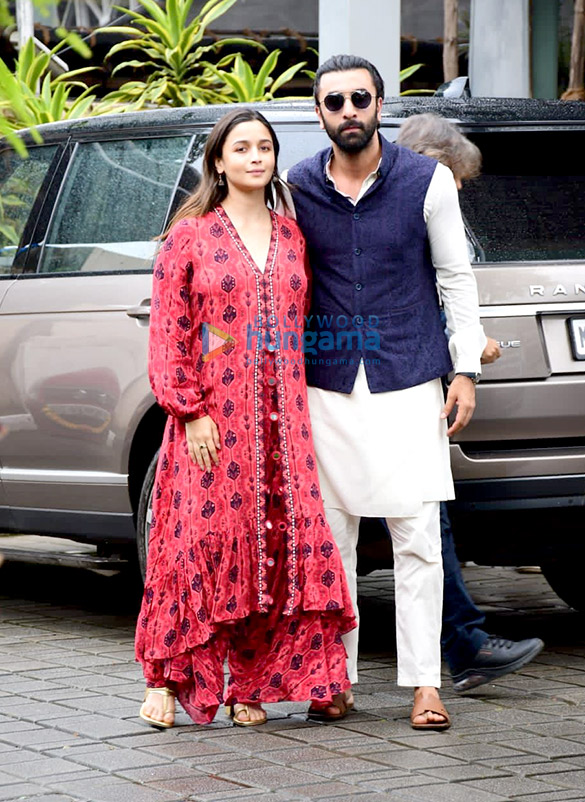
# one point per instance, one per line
(144, 517)
(566, 579)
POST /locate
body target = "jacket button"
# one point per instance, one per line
(357, 251)
(358, 286)
(356, 216)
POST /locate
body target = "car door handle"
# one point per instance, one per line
(141, 311)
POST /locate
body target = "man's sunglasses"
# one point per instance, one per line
(361, 99)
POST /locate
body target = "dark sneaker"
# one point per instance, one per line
(496, 658)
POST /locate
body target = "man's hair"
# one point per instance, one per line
(437, 137)
(344, 63)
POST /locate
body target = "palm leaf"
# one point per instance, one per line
(264, 72)
(286, 76)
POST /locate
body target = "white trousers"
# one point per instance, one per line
(418, 581)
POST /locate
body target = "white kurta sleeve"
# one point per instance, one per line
(455, 277)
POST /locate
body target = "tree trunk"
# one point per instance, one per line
(450, 55)
(577, 67)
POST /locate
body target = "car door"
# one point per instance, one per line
(77, 324)
(23, 186)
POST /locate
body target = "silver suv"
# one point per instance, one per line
(79, 428)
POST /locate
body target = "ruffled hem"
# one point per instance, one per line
(270, 659)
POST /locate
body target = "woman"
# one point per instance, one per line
(241, 561)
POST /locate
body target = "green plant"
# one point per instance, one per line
(30, 96)
(180, 74)
(406, 73)
(245, 87)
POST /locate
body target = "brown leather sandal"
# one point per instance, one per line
(429, 704)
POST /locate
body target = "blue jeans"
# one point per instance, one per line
(462, 636)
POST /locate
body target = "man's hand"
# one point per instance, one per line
(491, 352)
(203, 442)
(461, 393)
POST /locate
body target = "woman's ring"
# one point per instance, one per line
(203, 445)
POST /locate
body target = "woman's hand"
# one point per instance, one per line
(203, 442)
(491, 352)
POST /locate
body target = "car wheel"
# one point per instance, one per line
(144, 517)
(566, 579)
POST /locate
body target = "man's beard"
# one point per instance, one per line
(357, 140)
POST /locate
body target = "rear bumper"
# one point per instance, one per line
(520, 493)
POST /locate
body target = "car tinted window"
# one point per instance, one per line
(114, 202)
(20, 181)
(528, 202)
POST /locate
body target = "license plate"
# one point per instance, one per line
(577, 335)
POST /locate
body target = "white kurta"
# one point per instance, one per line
(384, 454)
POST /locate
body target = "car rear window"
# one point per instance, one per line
(113, 204)
(20, 181)
(528, 203)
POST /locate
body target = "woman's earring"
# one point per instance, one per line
(275, 178)
(220, 181)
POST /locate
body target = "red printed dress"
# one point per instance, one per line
(241, 562)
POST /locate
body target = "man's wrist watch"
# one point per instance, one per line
(473, 376)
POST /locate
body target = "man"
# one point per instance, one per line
(474, 657)
(374, 215)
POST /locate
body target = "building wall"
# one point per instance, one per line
(422, 19)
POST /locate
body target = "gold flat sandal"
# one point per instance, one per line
(230, 711)
(154, 722)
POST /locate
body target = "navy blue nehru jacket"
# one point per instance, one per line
(374, 295)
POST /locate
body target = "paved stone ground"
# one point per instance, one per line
(70, 692)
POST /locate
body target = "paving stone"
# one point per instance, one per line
(97, 726)
(229, 767)
(160, 773)
(450, 792)
(129, 792)
(274, 777)
(53, 798)
(12, 756)
(31, 769)
(187, 750)
(298, 754)
(251, 743)
(555, 796)
(20, 791)
(478, 751)
(191, 786)
(464, 771)
(566, 779)
(111, 759)
(415, 759)
(515, 786)
(549, 747)
(339, 767)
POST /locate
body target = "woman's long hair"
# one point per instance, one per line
(209, 192)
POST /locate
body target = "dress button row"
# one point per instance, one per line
(271, 381)
(276, 455)
(274, 416)
(270, 562)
